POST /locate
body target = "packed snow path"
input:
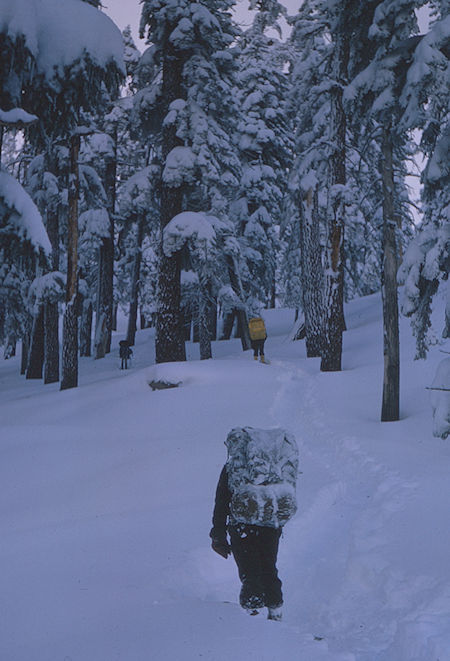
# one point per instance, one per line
(107, 493)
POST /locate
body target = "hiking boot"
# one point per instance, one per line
(263, 360)
(274, 613)
(255, 357)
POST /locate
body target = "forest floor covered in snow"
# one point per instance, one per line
(106, 496)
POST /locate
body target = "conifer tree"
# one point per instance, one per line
(380, 86)
(190, 44)
(426, 102)
(265, 147)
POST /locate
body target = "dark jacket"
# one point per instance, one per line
(221, 508)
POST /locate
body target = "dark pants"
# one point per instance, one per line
(255, 550)
(257, 346)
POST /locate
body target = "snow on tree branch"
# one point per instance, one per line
(180, 167)
(189, 226)
(21, 214)
(16, 117)
(59, 32)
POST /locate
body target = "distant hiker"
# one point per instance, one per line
(258, 336)
(255, 497)
(125, 352)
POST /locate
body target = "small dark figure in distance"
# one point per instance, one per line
(258, 336)
(254, 499)
(125, 352)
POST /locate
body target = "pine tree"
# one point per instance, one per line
(265, 146)
(191, 44)
(426, 100)
(57, 86)
(311, 54)
(380, 85)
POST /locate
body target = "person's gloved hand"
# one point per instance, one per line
(221, 547)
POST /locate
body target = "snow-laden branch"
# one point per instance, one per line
(193, 226)
(23, 218)
(16, 117)
(61, 32)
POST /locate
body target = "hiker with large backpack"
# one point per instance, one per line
(258, 335)
(255, 497)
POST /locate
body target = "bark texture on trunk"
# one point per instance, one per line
(36, 352)
(132, 317)
(204, 321)
(69, 377)
(86, 328)
(241, 313)
(390, 409)
(169, 343)
(51, 313)
(334, 323)
(106, 259)
(51, 342)
(312, 273)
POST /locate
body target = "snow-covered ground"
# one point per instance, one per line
(106, 495)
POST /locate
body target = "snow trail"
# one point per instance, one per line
(341, 552)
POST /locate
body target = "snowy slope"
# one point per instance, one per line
(106, 495)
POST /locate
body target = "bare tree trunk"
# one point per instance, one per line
(36, 352)
(334, 323)
(241, 313)
(51, 342)
(227, 326)
(86, 328)
(169, 343)
(105, 302)
(312, 273)
(70, 324)
(204, 320)
(25, 352)
(212, 316)
(51, 313)
(114, 320)
(132, 318)
(390, 410)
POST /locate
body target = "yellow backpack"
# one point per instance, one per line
(257, 329)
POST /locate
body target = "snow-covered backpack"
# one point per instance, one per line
(262, 467)
(257, 328)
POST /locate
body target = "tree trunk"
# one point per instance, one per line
(132, 318)
(227, 326)
(169, 342)
(106, 257)
(51, 342)
(70, 325)
(86, 328)
(241, 313)
(36, 352)
(212, 315)
(25, 352)
(51, 314)
(311, 273)
(334, 259)
(204, 320)
(114, 319)
(390, 410)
